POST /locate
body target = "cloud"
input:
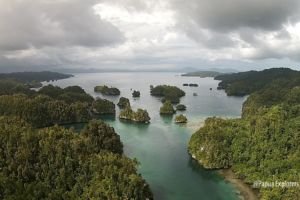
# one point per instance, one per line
(28, 24)
(229, 15)
(148, 34)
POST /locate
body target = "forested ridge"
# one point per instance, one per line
(245, 83)
(264, 144)
(41, 160)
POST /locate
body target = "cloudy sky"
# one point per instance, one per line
(149, 34)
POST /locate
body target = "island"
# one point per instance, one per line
(193, 85)
(56, 158)
(140, 116)
(203, 74)
(123, 102)
(28, 77)
(103, 106)
(167, 108)
(109, 91)
(170, 93)
(181, 107)
(264, 142)
(245, 83)
(41, 159)
(33, 79)
(180, 119)
(136, 94)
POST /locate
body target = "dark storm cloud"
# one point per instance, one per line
(229, 15)
(36, 24)
(240, 23)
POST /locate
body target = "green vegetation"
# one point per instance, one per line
(110, 91)
(103, 106)
(140, 115)
(69, 94)
(169, 93)
(265, 143)
(57, 163)
(203, 74)
(41, 110)
(123, 102)
(9, 87)
(180, 119)
(244, 83)
(167, 108)
(181, 107)
(33, 79)
(136, 94)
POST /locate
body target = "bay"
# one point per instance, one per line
(161, 146)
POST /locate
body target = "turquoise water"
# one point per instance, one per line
(161, 146)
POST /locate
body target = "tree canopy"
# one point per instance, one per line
(169, 93)
(264, 144)
(105, 90)
(57, 163)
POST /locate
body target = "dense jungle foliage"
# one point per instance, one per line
(57, 163)
(110, 91)
(245, 83)
(168, 93)
(140, 115)
(53, 162)
(167, 108)
(263, 145)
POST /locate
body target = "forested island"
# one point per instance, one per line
(167, 92)
(103, 106)
(167, 108)
(264, 144)
(41, 160)
(180, 119)
(105, 90)
(123, 102)
(140, 116)
(136, 94)
(203, 74)
(180, 107)
(245, 83)
(62, 164)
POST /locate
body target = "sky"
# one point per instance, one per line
(148, 35)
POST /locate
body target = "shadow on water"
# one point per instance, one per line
(167, 119)
(202, 172)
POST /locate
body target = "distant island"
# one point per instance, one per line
(33, 79)
(245, 83)
(203, 74)
(109, 91)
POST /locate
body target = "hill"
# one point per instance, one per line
(203, 74)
